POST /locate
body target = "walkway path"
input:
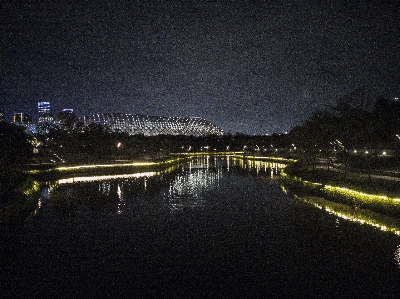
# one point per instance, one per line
(385, 175)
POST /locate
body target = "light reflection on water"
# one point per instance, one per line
(188, 183)
(360, 216)
(165, 225)
(204, 173)
(186, 189)
(186, 186)
(397, 255)
(259, 166)
(121, 202)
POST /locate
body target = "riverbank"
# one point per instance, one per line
(20, 200)
(357, 190)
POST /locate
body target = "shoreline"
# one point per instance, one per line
(343, 194)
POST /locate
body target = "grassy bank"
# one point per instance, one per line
(20, 201)
(358, 191)
(57, 172)
(361, 216)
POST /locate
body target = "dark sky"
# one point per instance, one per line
(254, 67)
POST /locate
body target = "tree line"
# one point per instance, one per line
(351, 126)
(350, 132)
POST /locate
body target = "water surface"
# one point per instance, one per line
(213, 228)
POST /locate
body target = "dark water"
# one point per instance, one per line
(214, 228)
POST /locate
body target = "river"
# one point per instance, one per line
(215, 227)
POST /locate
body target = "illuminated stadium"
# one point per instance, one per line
(154, 125)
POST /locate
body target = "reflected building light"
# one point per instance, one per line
(145, 183)
(258, 165)
(397, 255)
(186, 190)
(105, 188)
(44, 196)
(121, 200)
(119, 192)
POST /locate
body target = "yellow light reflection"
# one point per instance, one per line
(35, 187)
(106, 177)
(361, 216)
(108, 165)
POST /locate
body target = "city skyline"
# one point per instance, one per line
(254, 67)
(133, 124)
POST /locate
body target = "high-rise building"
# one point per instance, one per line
(44, 107)
(21, 117)
(25, 120)
(44, 112)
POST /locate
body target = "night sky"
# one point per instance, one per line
(255, 67)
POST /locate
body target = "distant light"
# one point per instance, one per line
(384, 153)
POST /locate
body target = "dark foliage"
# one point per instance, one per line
(15, 151)
(348, 126)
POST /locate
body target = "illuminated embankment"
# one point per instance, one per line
(109, 166)
(360, 216)
(73, 180)
(180, 157)
(374, 202)
(262, 158)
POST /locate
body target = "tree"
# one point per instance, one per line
(15, 148)
(15, 151)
